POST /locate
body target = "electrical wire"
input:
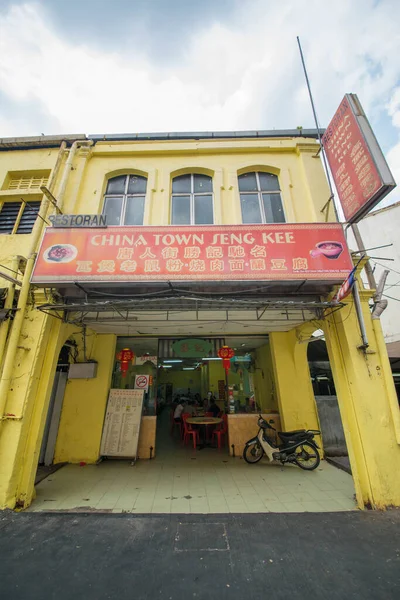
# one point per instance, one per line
(391, 297)
(386, 267)
(177, 290)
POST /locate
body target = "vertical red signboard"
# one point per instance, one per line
(359, 169)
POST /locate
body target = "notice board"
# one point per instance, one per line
(122, 423)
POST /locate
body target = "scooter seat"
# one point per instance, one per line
(291, 434)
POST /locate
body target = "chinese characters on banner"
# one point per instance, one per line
(360, 172)
(237, 252)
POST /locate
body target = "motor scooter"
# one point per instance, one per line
(297, 447)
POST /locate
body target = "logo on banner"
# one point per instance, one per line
(142, 382)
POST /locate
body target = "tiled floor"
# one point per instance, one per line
(184, 481)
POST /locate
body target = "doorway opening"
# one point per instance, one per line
(188, 372)
(46, 465)
(323, 384)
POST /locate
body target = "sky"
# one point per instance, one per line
(128, 66)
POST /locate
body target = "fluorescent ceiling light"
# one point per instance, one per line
(166, 366)
(213, 358)
(173, 361)
(188, 368)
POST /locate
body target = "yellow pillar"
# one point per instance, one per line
(296, 400)
(27, 403)
(84, 406)
(367, 401)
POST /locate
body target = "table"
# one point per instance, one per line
(204, 421)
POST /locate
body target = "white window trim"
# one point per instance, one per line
(259, 193)
(125, 197)
(192, 195)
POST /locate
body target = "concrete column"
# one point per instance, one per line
(30, 387)
(368, 405)
(296, 400)
(84, 407)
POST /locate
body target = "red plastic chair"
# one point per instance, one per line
(221, 431)
(189, 431)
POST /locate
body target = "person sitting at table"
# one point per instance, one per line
(213, 408)
(178, 412)
(190, 409)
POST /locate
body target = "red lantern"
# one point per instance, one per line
(125, 356)
(226, 354)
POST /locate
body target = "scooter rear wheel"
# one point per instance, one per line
(253, 452)
(307, 457)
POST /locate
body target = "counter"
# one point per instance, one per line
(242, 427)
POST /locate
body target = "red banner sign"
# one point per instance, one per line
(359, 169)
(231, 252)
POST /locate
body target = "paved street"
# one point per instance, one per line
(176, 557)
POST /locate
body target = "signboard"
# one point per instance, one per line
(192, 348)
(284, 251)
(142, 382)
(122, 423)
(141, 360)
(78, 220)
(359, 169)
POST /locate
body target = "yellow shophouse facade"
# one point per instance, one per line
(166, 181)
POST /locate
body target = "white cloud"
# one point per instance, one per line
(242, 75)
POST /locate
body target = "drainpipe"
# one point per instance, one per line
(67, 169)
(360, 317)
(380, 303)
(8, 304)
(9, 361)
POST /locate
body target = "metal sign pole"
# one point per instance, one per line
(332, 196)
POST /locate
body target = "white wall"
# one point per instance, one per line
(377, 229)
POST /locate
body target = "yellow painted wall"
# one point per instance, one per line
(264, 379)
(21, 160)
(223, 160)
(204, 381)
(368, 405)
(84, 408)
(297, 407)
(366, 393)
(26, 409)
(215, 374)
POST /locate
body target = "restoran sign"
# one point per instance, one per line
(186, 253)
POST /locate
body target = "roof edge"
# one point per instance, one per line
(205, 135)
(40, 141)
(52, 141)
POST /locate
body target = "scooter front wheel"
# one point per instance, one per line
(253, 452)
(307, 457)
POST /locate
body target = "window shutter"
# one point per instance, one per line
(8, 216)
(28, 217)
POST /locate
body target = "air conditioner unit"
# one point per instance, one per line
(87, 370)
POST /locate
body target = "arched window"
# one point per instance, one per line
(192, 200)
(260, 198)
(124, 200)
